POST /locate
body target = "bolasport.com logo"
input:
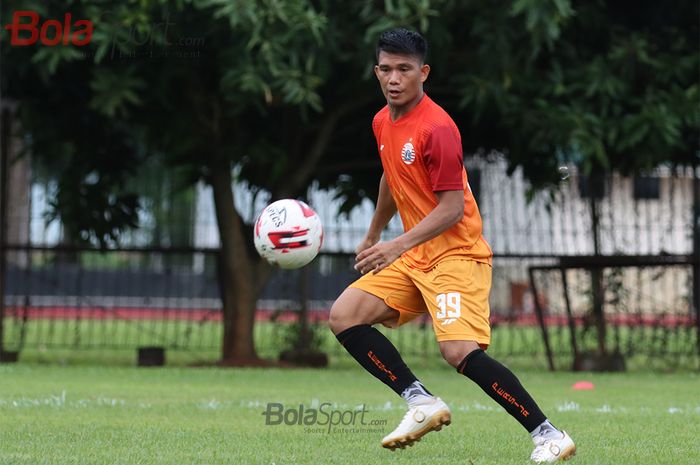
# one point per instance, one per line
(28, 28)
(323, 418)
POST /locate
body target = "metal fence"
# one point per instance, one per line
(70, 299)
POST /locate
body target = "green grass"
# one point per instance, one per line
(60, 415)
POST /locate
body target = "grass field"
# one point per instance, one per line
(82, 414)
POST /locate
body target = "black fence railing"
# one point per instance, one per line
(125, 299)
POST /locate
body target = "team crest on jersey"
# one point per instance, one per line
(408, 153)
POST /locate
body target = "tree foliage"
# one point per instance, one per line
(605, 85)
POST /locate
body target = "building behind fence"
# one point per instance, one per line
(160, 287)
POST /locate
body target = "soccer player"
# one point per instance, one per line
(441, 264)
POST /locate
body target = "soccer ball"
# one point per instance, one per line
(288, 233)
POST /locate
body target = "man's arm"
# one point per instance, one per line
(447, 213)
(384, 211)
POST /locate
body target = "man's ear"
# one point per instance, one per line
(424, 71)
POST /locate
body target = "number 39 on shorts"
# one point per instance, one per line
(449, 305)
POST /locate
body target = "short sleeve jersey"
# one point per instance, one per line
(421, 154)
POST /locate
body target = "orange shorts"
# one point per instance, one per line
(455, 292)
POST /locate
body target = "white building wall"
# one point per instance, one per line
(551, 223)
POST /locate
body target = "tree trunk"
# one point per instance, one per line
(597, 285)
(236, 273)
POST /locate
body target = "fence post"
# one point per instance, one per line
(570, 317)
(540, 318)
(305, 336)
(4, 148)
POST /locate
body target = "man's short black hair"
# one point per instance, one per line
(402, 42)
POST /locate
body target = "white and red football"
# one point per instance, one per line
(288, 233)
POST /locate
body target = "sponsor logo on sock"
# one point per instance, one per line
(510, 399)
(381, 366)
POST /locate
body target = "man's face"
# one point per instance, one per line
(401, 77)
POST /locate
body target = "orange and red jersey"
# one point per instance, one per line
(421, 154)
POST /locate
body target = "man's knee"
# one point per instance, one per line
(339, 318)
(347, 311)
(356, 307)
(456, 351)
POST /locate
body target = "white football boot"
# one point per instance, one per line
(422, 418)
(548, 449)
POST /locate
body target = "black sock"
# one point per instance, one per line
(502, 386)
(377, 355)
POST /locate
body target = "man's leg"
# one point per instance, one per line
(504, 387)
(351, 320)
